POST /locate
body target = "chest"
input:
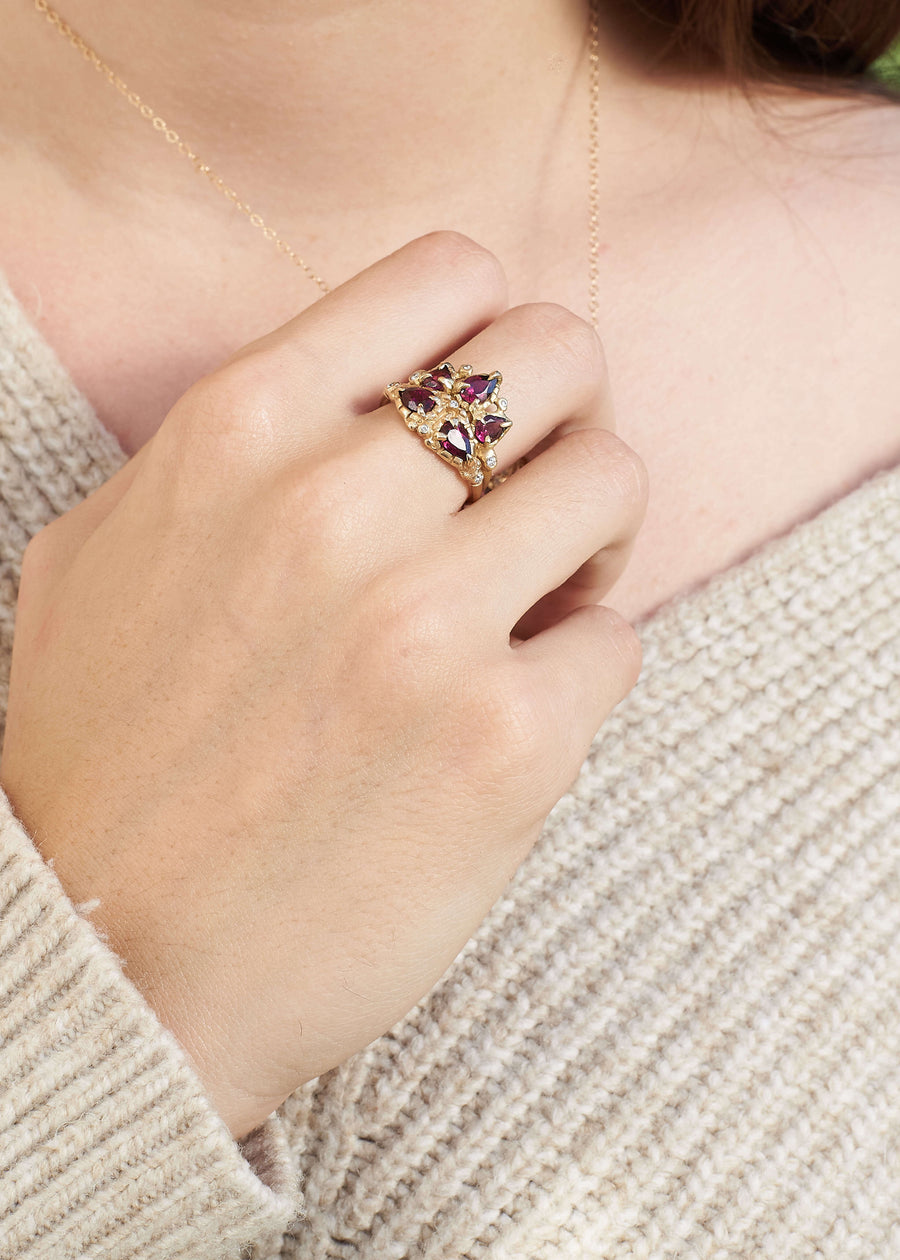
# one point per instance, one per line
(755, 378)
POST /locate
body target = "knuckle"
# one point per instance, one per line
(242, 406)
(570, 341)
(458, 255)
(251, 392)
(623, 641)
(511, 717)
(628, 474)
(605, 457)
(279, 362)
(320, 509)
(277, 369)
(213, 420)
(247, 385)
(331, 510)
(507, 751)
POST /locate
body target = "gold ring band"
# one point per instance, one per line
(460, 416)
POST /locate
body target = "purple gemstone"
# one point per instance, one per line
(477, 388)
(417, 400)
(456, 441)
(491, 428)
(440, 379)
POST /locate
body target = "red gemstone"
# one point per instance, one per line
(440, 378)
(418, 400)
(491, 428)
(477, 388)
(456, 441)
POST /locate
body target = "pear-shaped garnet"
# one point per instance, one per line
(490, 428)
(440, 379)
(477, 388)
(420, 400)
(455, 440)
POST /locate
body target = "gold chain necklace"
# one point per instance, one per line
(203, 168)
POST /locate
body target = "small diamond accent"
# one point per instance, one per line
(491, 459)
(477, 479)
(423, 428)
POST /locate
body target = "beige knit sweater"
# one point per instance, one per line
(676, 1035)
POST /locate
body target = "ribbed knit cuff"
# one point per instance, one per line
(108, 1145)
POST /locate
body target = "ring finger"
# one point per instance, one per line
(554, 381)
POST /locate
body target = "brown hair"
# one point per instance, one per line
(822, 43)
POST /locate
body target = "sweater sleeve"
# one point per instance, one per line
(108, 1145)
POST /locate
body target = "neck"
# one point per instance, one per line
(325, 115)
(276, 88)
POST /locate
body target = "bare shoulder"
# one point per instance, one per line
(772, 334)
(832, 166)
(836, 162)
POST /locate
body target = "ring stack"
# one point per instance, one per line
(459, 415)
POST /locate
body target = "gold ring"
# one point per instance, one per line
(460, 416)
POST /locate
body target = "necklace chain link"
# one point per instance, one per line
(203, 168)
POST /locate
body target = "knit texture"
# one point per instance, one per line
(677, 1034)
(108, 1147)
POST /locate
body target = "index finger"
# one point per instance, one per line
(406, 311)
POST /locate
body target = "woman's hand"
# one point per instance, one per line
(265, 704)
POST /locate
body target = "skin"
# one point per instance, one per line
(310, 738)
(749, 266)
(748, 313)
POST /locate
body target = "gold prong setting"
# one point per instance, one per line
(459, 415)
